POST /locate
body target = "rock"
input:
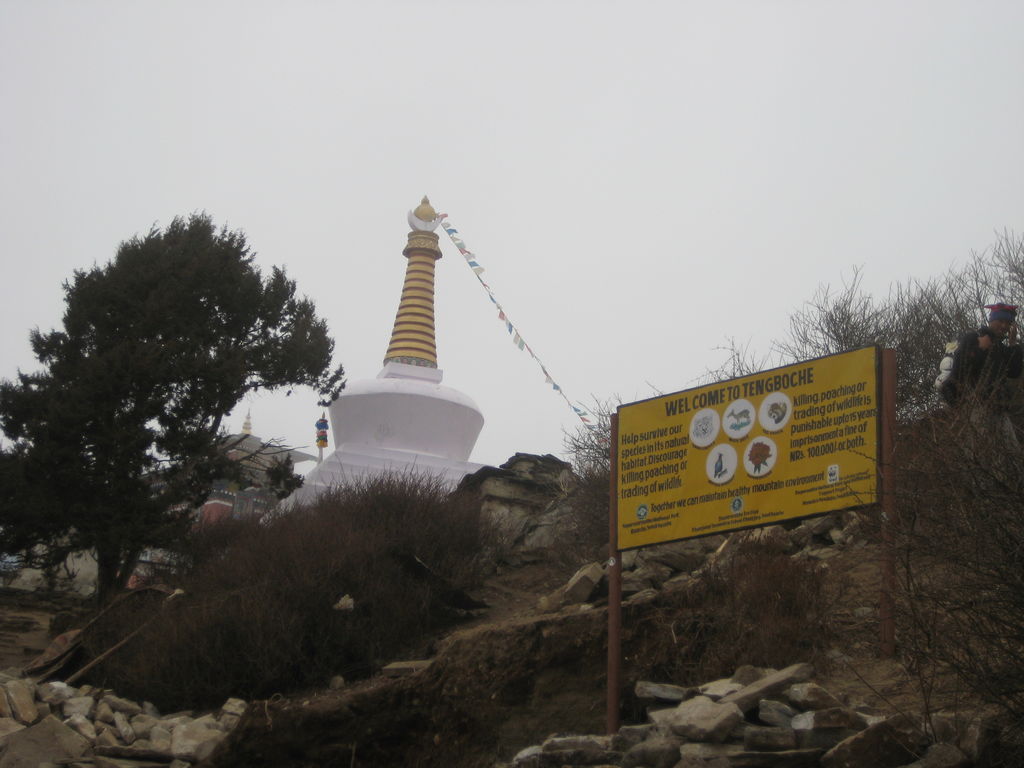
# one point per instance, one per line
(336, 682)
(5, 705)
(646, 691)
(8, 725)
(700, 719)
(528, 757)
(83, 726)
(747, 674)
(719, 688)
(775, 713)
(101, 761)
(194, 741)
(104, 713)
(684, 556)
(941, 756)
(811, 696)
(117, 704)
(583, 583)
(47, 741)
(137, 751)
(643, 596)
(21, 696)
(124, 728)
(654, 574)
(55, 692)
(235, 707)
(160, 738)
(630, 735)
(79, 705)
(837, 717)
(658, 752)
(105, 737)
(148, 708)
(747, 698)
(735, 756)
(888, 744)
(768, 739)
(143, 725)
(584, 743)
(405, 668)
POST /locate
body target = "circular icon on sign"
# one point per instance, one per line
(759, 456)
(721, 464)
(704, 427)
(774, 412)
(738, 419)
(736, 505)
(641, 512)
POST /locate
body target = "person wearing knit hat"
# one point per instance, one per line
(984, 363)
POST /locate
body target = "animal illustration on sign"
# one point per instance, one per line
(703, 425)
(719, 466)
(740, 419)
(777, 412)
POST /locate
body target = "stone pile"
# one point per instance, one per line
(49, 724)
(673, 565)
(762, 718)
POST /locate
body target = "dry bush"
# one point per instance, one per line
(258, 618)
(959, 537)
(582, 533)
(760, 606)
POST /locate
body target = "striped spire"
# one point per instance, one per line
(412, 340)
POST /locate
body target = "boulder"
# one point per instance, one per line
(21, 695)
(771, 712)
(811, 696)
(194, 741)
(700, 719)
(83, 726)
(891, 743)
(657, 752)
(79, 705)
(684, 556)
(941, 756)
(747, 697)
(8, 725)
(735, 756)
(117, 704)
(719, 688)
(48, 741)
(646, 691)
(768, 739)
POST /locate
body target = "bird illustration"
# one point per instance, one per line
(719, 466)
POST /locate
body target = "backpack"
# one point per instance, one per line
(946, 365)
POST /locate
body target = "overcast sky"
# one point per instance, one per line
(641, 181)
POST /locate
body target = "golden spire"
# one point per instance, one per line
(247, 424)
(412, 340)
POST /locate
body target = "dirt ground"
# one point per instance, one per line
(502, 681)
(25, 623)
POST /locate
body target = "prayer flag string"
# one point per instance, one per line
(517, 339)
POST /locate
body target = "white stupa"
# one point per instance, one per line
(404, 420)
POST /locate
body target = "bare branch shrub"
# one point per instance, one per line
(960, 539)
(258, 613)
(759, 607)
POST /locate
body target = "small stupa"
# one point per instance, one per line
(404, 420)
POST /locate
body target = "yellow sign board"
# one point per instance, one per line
(756, 450)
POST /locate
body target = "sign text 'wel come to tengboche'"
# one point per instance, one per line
(778, 445)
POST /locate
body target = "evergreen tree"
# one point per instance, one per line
(119, 434)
